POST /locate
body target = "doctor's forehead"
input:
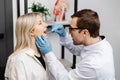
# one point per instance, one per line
(74, 21)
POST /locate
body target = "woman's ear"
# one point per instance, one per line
(32, 33)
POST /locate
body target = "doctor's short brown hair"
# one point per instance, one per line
(88, 19)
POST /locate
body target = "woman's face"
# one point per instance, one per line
(40, 27)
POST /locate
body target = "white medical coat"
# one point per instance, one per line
(96, 62)
(23, 65)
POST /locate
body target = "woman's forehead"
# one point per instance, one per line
(39, 19)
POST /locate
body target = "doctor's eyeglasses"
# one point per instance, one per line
(70, 29)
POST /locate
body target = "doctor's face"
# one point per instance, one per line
(76, 33)
(40, 27)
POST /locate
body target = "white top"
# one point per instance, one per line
(96, 62)
(23, 65)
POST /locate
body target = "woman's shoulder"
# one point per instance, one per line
(19, 55)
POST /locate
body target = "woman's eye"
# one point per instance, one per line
(40, 23)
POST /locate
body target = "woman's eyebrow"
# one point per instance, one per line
(39, 22)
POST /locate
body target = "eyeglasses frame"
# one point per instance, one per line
(70, 29)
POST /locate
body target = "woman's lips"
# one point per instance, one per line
(45, 33)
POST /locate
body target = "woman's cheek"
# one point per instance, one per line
(38, 34)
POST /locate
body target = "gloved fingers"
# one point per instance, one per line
(56, 26)
(60, 25)
(53, 30)
(44, 38)
(53, 27)
(56, 29)
(40, 40)
(59, 29)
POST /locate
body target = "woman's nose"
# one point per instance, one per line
(45, 24)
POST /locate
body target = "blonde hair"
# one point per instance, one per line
(24, 26)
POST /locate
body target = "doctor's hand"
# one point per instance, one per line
(43, 44)
(59, 29)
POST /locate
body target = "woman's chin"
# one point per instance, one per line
(46, 35)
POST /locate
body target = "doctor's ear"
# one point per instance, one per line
(85, 31)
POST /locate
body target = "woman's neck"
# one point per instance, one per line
(37, 52)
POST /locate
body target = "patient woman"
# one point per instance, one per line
(26, 62)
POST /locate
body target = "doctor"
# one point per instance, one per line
(94, 50)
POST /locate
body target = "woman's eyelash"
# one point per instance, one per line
(40, 23)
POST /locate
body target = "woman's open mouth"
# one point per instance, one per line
(45, 33)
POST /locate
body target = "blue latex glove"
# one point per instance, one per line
(59, 29)
(43, 44)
